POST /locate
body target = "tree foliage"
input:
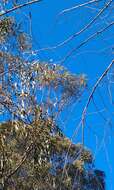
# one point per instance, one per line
(34, 152)
(34, 157)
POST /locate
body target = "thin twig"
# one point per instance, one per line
(91, 96)
(84, 42)
(78, 6)
(78, 33)
(19, 7)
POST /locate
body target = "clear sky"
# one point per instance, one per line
(49, 29)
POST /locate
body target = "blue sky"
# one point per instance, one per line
(92, 59)
(48, 29)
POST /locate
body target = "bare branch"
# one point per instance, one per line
(80, 32)
(78, 6)
(85, 41)
(19, 7)
(91, 96)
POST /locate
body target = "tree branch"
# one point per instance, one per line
(91, 96)
(78, 6)
(80, 32)
(85, 41)
(19, 7)
(28, 150)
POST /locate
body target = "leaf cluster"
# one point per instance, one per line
(44, 164)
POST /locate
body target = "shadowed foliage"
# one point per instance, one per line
(39, 156)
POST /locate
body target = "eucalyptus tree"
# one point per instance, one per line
(34, 152)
